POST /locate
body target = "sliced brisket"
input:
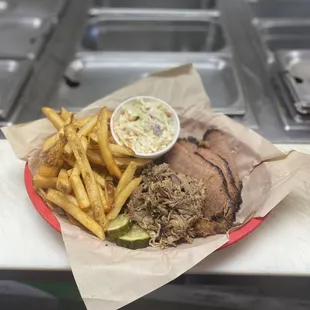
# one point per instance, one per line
(218, 144)
(220, 162)
(213, 167)
(183, 159)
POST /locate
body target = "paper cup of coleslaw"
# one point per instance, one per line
(147, 125)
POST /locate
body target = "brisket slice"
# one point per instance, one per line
(183, 160)
(221, 219)
(206, 154)
(205, 227)
(218, 208)
(218, 144)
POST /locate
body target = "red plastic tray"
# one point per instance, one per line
(47, 214)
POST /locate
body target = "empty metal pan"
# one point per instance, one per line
(288, 9)
(32, 8)
(284, 34)
(13, 75)
(22, 37)
(90, 77)
(153, 33)
(296, 68)
(158, 4)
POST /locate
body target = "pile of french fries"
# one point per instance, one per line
(84, 172)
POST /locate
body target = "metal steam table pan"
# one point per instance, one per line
(90, 77)
(295, 65)
(13, 75)
(157, 4)
(282, 9)
(31, 8)
(151, 32)
(22, 37)
(284, 34)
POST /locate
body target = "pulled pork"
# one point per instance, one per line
(167, 204)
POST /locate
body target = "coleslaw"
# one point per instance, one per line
(145, 125)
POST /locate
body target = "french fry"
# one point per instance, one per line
(95, 158)
(53, 117)
(63, 184)
(116, 150)
(88, 126)
(121, 151)
(102, 133)
(49, 204)
(76, 170)
(50, 142)
(73, 221)
(69, 171)
(60, 200)
(106, 207)
(84, 143)
(65, 114)
(122, 197)
(39, 181)
(81, 122)
(55, 153)
(93, 137)
(123, 162)
(92, 144)
(68, 121)
(90, 213)
(94, 131)
(45, 171)
(72, 199)
(109, 192)
(99, 179)
(85, 130)
(87, 174)
(79, 192)
(140, 162)
(41, 192)
(70, 161)
(68, 151)
(50, 166)
(126, 178)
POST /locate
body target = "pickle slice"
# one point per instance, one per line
(118, 227)
(136, 238)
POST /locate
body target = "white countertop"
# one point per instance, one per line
(279, 246)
